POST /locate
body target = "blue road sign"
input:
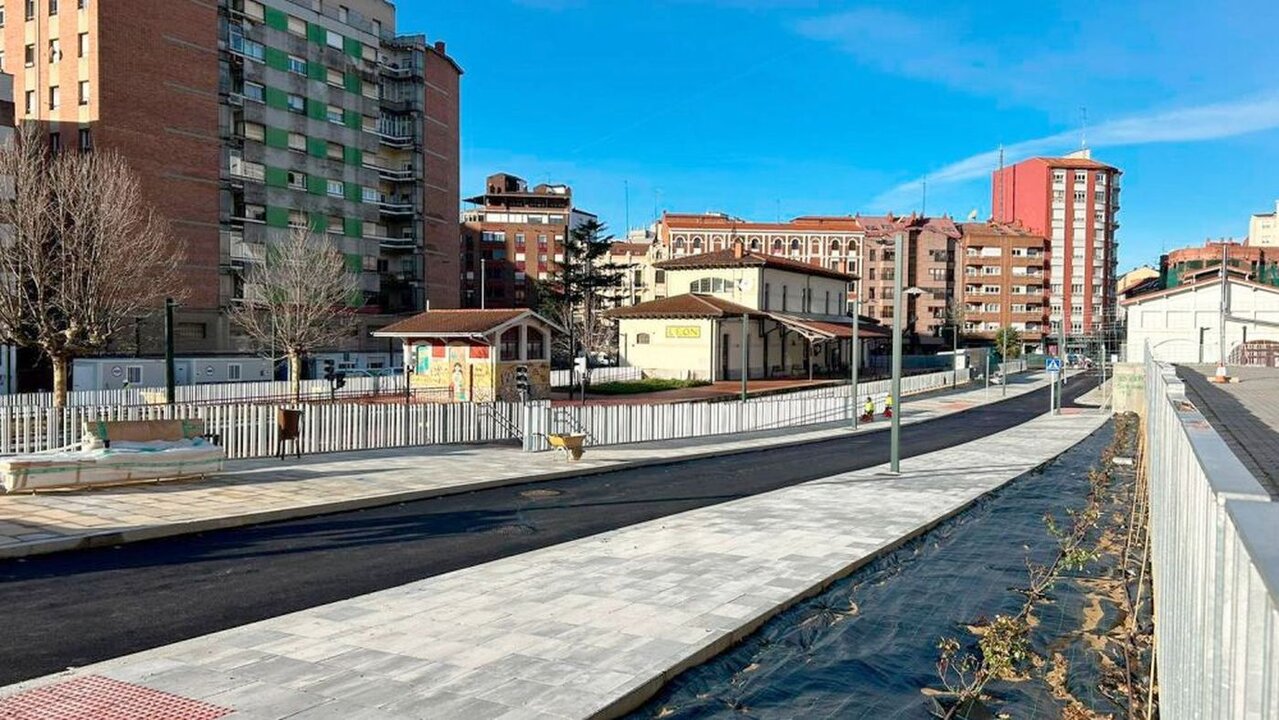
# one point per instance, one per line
(1054, 365)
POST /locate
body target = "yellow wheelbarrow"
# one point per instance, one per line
(571, 445)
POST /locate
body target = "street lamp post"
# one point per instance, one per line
(854, 348)
(898, 291)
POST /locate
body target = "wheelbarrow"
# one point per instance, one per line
(571, 445)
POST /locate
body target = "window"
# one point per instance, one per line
(84, 92)
(519, 238)
(234, 371)
(86, 140)
(82, 45)
(254, 92)
(336, 151)
(1059, 176)
(55, 50)
(297, 141)
(297, 180)
(509, 345)
(297, 103)
(641, 339)
(334, 77)
(55, 97)
(336, 188)
(659, 276)
(133, 374)
(334, 40)
(297, 65)
(55, 141)
(371, 195)
(536, 345)
(297, 219)
(53, 7)
(1081, 177)
(297, 26)
(255, 213)
(337, 226)
(29, 55)
(254, 131)
(243, 46)
(1080, 195)
(1, 15)
(344, 14)
(827, 311)
(30, 9)
(335, 115)
(784, 303)
(30, 101)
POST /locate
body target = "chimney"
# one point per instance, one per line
(739, 249)
(439, 47)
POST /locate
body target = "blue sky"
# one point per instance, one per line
(763, 108)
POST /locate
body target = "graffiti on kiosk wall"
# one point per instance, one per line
(460, 372)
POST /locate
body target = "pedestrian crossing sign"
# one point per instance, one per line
(1054, 364)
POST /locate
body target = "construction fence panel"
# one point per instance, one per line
(1215, 565)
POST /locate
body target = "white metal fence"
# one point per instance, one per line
(211, 393)
(250, 430)
(619, 424)
(1215, 565)
(564, 378)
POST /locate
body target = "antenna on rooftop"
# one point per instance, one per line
(1083, 128)
(999, 189)
(923, 203)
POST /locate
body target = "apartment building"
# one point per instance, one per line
(1263, 228)
(1258, 264)
(512, 237)
(1004, 270)
(1072, 201)
(826, 241)
(246, 118)
(931, 245)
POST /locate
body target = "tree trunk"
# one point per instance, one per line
(295, 375)
(61, 365)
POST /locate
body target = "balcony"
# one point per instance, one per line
(394, 243)
(396, 206)
(396, 132)
(407, 174)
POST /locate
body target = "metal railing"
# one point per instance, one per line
(633, 423)
(1215, 565)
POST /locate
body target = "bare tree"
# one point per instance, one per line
(297, 299)
(84, 254)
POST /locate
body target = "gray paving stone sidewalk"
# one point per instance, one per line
(585, 629)
(255, 491)
(1245, 414)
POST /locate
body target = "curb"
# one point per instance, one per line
(108, 538)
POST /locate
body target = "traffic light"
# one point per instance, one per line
(329, 373)
(521, 379)
(339, 380)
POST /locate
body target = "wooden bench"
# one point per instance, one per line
(572, 445)
(101, 433)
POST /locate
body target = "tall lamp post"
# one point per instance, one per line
(855, 346)
(899, 291)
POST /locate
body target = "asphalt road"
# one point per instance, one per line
(76, 608)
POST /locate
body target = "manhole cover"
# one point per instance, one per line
(93, 697)
(540, 494)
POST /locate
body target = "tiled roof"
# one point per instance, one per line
(688, 305)
(835, 329)
(450, 322)
(622, 248)
(1076, 163)
(881, 225)
(997, 228)
(729, 259)
(715, 221)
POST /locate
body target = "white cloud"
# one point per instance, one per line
(1194, 124)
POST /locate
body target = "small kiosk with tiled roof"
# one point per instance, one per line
(476, 355)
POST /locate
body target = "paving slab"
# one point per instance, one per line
(586, 629)
(1244, 413)
(257, 491)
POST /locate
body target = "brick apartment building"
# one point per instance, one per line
(1260, 264)
(1004, 270)
(245, 118)
(514, 236)
(1073, 202)
(931, 246)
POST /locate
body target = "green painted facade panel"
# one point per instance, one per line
(354, 192)
(277, 138)
(317, 147)
(277, 19)
(319, 223)
(353, 119)
(316, 33)
(277, 98)
(317, 185)
(354, 263)
(316, 110)
(354, 156)
(353, 47)
(354, 84)
(277, 59)
(277, 217)
(277, 177)
(317, 71)
(354, 227)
